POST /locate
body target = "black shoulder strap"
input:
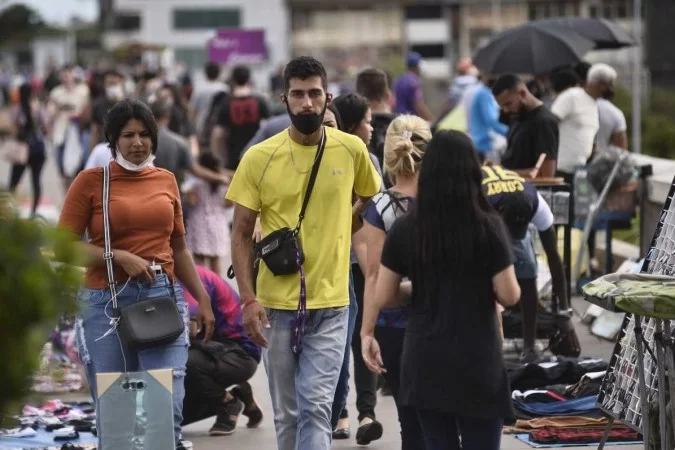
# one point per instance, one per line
(312, 179)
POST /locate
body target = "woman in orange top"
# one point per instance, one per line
(149, 256)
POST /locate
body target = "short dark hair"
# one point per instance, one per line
(120, 114)
(212, 70)
(352, 108)
(241, 75)
(581, 69)
(338, 119)
(160, 109)
(506, 82)
(372, 84)
(112, 73)
(564, 79)
(304, 67)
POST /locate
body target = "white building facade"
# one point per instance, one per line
(184, 28)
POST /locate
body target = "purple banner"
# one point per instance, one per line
(238, 47)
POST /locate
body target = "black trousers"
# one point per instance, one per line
(36, 162)
(391, 346)
(364, 379)
(211, 369)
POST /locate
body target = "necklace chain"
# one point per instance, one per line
(290, 149)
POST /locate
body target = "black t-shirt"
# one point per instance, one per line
(99, 111)
(452, 358)
(534, 133)
(241, 117)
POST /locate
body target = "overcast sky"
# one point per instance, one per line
(61, 10)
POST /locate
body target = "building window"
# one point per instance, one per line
(612, 9)
(429, 51)
(126, 22)
(550, 9)
(200, 19)
(192, 57)
(424, 12)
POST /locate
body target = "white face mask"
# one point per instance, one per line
(115, 92)
(134, 167)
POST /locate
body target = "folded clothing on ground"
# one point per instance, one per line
(524, 377)
(577, 407)
(525, 426)
(553, 435)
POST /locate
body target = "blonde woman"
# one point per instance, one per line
(404, 147)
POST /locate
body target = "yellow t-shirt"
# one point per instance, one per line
(272, 178)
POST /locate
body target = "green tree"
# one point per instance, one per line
(34, 293)
(657, 126)
(19, 21)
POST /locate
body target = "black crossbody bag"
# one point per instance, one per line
(281, 250)
(148, 323)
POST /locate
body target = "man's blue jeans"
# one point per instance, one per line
(108, 354)
(302, 386)
(342, 390)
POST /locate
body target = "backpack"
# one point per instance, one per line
(212, 118)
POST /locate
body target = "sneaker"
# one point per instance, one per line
(184, 445)
(530, 356)
(226, 421)
(244, 392)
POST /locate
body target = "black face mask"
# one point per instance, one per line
(307, 123)
(608, 94)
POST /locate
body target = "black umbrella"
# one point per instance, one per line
(531, 49)
(605, 34)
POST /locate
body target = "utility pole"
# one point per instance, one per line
(637, 77)
(496, 16)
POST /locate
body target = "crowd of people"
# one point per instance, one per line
(359, 225)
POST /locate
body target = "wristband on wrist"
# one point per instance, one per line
(247, 303)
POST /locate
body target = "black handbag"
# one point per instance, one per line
(145, 324)
(281, 250)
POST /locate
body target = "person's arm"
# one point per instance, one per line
(186, 272)
(208, 174)
(374, 238)
(420, 106)
(367, 182)
(549, 241)
(562, 106)
(488, 109)
(360, 248)
(544, 221)
(620, 139)
(218, 139)
(504, 281)
(194, 145)
(254, 316)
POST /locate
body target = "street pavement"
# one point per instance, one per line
(263, 438)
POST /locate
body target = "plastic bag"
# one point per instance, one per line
(73, 150)
(136, 410)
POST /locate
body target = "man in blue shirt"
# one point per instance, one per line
(483, 120)
(408, 90)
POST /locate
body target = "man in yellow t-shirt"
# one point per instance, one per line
(302, 359)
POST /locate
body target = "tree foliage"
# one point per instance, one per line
(34, 293)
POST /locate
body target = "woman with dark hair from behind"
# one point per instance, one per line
(208, 233)
(455, 250)
(149, 256)
(30, 128)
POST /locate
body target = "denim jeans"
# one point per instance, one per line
(108, 354)
(302, 386)
(342, 389)
(443, 431)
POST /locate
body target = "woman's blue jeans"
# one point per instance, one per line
(109, 354)
(342, 389)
